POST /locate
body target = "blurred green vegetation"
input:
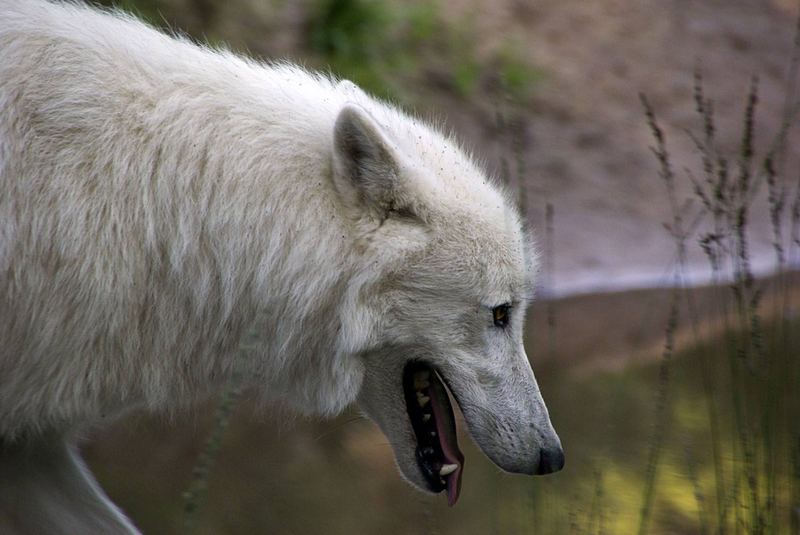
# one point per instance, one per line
(384, 46)
(357, 38)
(391, 49)
(609, 423)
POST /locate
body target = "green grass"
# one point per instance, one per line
(607, 421)
(389, 48)
(747, 375)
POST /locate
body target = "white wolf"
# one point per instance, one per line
(156, 197)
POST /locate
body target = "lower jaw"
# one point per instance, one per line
(437, 455)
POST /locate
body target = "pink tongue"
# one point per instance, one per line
(448, 439)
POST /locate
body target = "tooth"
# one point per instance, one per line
(447, 469)
(433, 433)
(422, 399)
(426, 417)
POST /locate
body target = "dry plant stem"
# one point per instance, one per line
(575, 527)
(429, 522)
(663, 401)
(773, 171)
(712, 244)
(596, 517)
(702, 512)
(195, 494)
(519, 157)
(776, 199)
(531, 514)
(661, 417)
(794, 236)
(505, 178)
(749, 501)
(729, 205)
(747, 304)
(744, 277)
(708, 390)
(516, 129)
(665, 168)
(502, 130)
(783, 339)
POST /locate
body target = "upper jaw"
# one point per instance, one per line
(518, 437)
(508, 421)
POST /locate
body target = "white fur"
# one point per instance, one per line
(156, 197)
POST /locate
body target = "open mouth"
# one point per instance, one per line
(434, 424)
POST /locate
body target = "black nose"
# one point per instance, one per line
(551, 460)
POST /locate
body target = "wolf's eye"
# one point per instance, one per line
(501, 315)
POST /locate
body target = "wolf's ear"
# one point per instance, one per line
(366, 167)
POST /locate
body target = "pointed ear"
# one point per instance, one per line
(366, 167)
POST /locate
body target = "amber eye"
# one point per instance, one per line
(501, 315)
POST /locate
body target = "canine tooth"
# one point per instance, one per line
(422, 399)
(447, 469)
(426, 417)
(433, 433)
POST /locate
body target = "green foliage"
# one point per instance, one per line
(517, 74)
(466, 75)
(387, 47)
(748, 376)
(423, 21)
(349, 29)
(355, 38)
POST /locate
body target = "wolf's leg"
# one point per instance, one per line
(45, 488)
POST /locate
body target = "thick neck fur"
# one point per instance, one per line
(187, 187)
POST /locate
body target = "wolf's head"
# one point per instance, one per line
(448, 307)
